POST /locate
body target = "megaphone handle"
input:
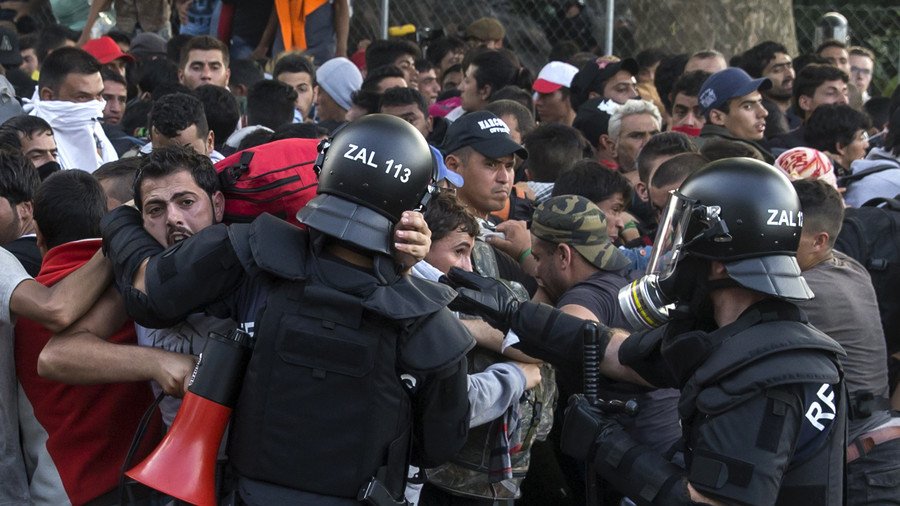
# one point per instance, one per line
(136, 443)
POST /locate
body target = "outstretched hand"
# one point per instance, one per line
(486, 297)
(515, 239)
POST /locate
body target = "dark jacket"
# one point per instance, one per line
(710, 131)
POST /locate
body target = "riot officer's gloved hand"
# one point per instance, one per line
(486, 297)
(126, 243)
(584, 425)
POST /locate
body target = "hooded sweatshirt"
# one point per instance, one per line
(879, 184)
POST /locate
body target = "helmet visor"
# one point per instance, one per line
(670, 237)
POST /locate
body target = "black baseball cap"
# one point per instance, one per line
(592, 118)
(594, 74)
(485, 133)
(9, 48)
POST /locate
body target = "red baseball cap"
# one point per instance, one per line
(105, 50)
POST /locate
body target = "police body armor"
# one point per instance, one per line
(323, 408)
(771, 344)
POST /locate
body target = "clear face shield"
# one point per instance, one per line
(644, 302)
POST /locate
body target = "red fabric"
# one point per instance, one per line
(609, 164)
(279, 179)
(105, 50)
(226, 18)
(90, 427)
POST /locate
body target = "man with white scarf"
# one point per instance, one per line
(69, 98)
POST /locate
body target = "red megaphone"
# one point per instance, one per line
(183, 465)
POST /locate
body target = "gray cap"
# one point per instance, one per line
(339, 77)
(147, 44)
(9, 106)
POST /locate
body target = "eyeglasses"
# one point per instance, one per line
(860, 71)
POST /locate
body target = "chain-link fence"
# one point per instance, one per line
(532, 26)
(535, 27)
(877, 28)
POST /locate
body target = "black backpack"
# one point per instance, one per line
(871, 235)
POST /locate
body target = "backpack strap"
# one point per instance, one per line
(892, 204)
(229, 176)
(887, 205)
(852, 178)
(853, 234)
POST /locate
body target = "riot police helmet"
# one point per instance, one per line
(832, 25)
(370, 171)
(743, 213)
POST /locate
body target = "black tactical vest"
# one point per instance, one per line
(323, 408)
(771, 344)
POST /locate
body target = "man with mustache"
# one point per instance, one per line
(732, 103)
(177, 197)
(771, 60)
(478, 147)
(177, 192)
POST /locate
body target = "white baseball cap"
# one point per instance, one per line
(553, 76)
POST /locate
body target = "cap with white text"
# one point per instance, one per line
(726, 84)
(485, 133)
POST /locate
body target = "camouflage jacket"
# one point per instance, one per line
(467, 473)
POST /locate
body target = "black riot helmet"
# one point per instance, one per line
(832, 25)
(370, 171)
(756, 205)
(739, 211)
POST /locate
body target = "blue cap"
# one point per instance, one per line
(444, 172)
(726, 84)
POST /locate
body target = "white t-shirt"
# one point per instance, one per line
(13, 482)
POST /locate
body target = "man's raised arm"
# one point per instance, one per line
(60, 305)
(81, 355)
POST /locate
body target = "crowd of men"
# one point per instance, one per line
(541, 197)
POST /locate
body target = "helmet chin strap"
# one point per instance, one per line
(719, 284)
(432, 192)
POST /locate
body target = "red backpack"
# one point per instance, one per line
(275, 178)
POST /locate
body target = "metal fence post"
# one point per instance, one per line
(610, 21)
(385, 9)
